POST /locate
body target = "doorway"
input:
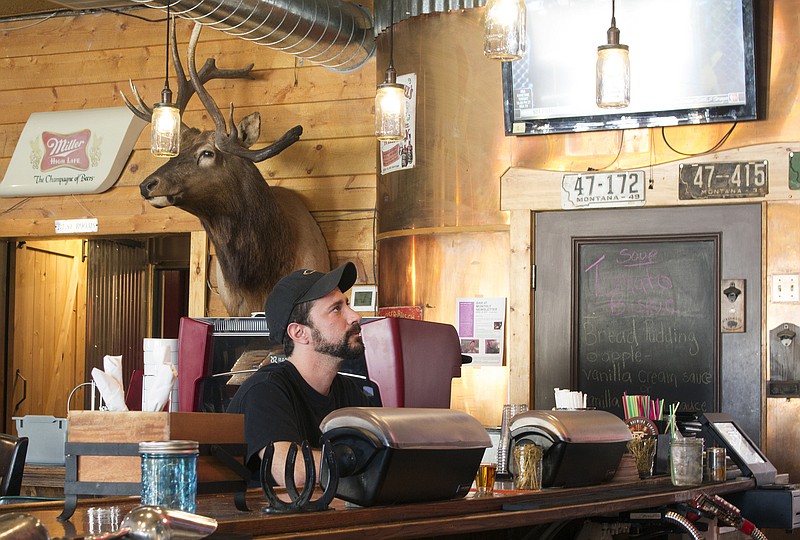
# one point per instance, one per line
(70, 302)
(47, 313)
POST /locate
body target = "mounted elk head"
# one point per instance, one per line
(260, 233)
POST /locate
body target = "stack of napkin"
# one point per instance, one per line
(109, 382)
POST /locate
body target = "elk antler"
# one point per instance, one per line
(225, 141)
(186, 87)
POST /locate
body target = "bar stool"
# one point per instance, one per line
(13, 451)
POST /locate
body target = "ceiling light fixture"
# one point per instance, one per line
(165, 126)
(390, 99)
(504, 30)
(613, 70)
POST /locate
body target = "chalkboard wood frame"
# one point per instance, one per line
(658, 358)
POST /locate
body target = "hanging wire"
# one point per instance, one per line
(613, 19)
(14, 206)
(145, 19)
(166, 55)
(40, 21)
(619, 152)
(391, 35)
(712, 149)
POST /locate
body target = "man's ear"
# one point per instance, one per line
(299, 333)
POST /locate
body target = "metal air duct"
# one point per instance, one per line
(332, 33)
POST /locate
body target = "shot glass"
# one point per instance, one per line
(484, 478)
(715, 465)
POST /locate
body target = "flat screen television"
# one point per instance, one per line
(692, 62)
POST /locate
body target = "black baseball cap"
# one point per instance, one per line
(303, 286)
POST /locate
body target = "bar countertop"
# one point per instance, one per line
(501, 510)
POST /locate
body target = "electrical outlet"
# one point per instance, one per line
(786, 288)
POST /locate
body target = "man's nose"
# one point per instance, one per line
(353, 316)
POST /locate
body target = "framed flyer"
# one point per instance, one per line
(481, 329)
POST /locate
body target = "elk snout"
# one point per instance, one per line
(148, 189)
(147, 186)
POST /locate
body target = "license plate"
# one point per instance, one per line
(730, 180)
(603, 189)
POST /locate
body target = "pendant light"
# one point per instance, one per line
(504, 30)
(613, 70)
(390, 99)
(165, 125)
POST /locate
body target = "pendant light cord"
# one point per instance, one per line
(391, 34)
(166, 55)
(613, 21)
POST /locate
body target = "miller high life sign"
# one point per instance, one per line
(69, 152)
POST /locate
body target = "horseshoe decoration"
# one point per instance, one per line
(300, 502)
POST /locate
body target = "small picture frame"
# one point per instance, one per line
(363, 297)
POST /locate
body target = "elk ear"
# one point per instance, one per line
(249, 129)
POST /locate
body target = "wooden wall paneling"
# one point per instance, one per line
(85, 61)
(320, 121)
(355, 191)
(520, 307)
(540, 190)
(199, 258)
(783, 257)
(348, 229)
(365, 261)
(276, 87)
(305, 158)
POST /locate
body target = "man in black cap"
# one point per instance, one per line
(284, 403)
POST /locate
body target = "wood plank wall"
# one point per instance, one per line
(84, 61)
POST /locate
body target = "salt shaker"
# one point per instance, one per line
(169, 474)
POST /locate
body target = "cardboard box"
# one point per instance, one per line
(133, 427)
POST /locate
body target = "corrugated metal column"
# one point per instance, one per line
(117, 305)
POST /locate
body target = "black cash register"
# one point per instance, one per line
(770, 505)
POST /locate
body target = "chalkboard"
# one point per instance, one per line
(646, 320)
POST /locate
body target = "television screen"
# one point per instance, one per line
(691, 62)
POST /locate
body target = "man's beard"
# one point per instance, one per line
(342, 349)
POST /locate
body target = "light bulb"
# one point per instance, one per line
(613, 76)
(390, 107)
(165, 130)
(504, 30)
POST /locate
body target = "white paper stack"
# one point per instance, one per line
(160, 374)
(568, 399)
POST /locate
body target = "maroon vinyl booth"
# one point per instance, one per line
(412, 362)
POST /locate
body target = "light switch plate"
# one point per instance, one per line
(786, 288)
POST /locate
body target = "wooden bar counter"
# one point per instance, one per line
(473, 514)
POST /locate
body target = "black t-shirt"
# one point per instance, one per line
(279, 405)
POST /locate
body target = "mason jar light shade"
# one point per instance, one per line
(165, 130)
(390, 112)
(504, 30)
(613, 76)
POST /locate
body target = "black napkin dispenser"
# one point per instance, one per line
(580, 447)
(403, 455)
